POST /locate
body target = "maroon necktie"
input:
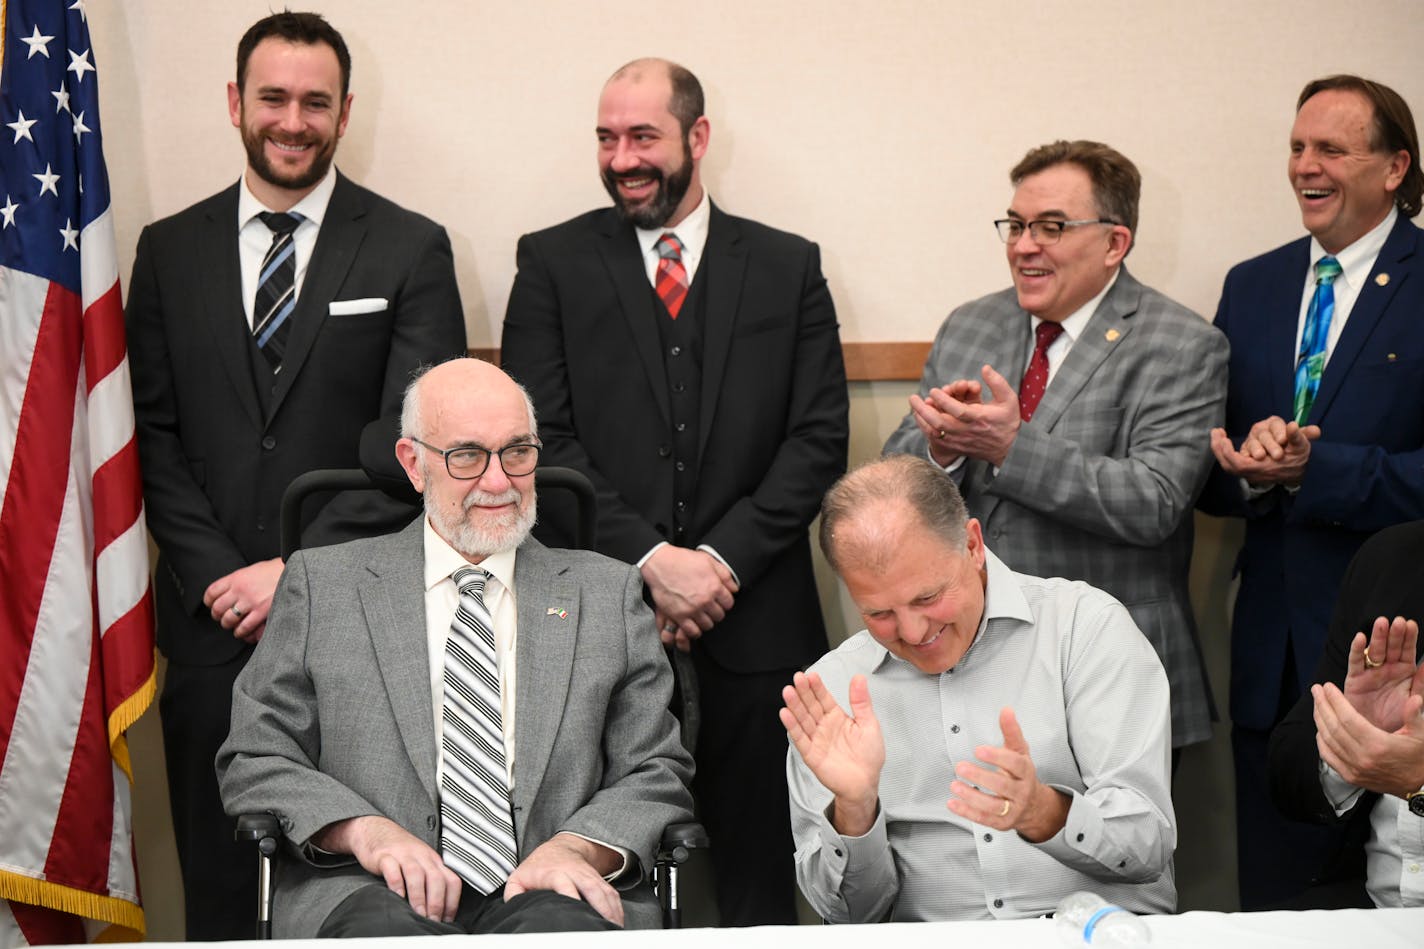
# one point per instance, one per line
(672, 275)
(1035, 378)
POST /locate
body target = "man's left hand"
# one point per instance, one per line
(1274, 452)
(569, 864)
(983, 430)
(1366, 756)
(241, 600)
(1012, 797)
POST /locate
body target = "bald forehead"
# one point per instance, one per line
(640, 70)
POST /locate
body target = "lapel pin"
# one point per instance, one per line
(1112, 335)
(1391, 357)
(555, 611)
(1382, 279)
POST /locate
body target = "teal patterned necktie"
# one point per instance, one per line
(1311, 362)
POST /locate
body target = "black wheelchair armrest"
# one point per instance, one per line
(678, 842)
(265, 830)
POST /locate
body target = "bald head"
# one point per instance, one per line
(868, 513)
(683, 92)
(464, 384)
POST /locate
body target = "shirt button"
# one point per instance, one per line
(1080, 838)
(954, 729)
(998, 904)
(988, 838)
(1414, 868)
(839, 852)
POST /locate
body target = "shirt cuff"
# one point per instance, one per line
(649, 555)
(1341, 794)
(950, 468)
(853, 854)
(708, 548)
(623, 852)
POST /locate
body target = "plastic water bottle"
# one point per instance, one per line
(1086, 919)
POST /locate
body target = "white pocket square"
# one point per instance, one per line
(355, 307)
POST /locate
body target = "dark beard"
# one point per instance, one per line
(671, 190)
(257, 161)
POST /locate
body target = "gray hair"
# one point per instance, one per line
(926, 490)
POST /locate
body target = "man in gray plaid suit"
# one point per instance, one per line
(1074, 409)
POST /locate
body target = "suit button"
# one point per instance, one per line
(430, 822)
(681, 530)
(681, 426)
(682, 505)
(664, 451)
(269, 443)
(675, 351)
(261, 525)
(679, 388)
(680, 466)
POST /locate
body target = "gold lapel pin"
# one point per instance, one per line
(1391, 357)
(1382, 279)
(1112, 335)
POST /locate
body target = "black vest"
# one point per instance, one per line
(681, 340)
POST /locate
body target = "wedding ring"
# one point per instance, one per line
(1371, 663)
(1004, 811)
(236, 612)
(941, 433)
(669, 628)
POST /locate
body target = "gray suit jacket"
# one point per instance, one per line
(332, 717)
(1100, 485)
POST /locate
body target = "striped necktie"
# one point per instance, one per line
(276, 288)
(477, 830)
(1311, 362)
(672, 275)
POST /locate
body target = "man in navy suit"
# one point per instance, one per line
(689, 363)
(225, 421)
(1324, 435)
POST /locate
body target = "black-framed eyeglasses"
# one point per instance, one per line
(1043, 232)
(468, 462)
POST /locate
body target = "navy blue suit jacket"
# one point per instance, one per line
(1365, 472)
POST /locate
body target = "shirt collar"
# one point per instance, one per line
(1074, 324)
(312, 207)
(441, 560)
(1357, 259)
(692, 231)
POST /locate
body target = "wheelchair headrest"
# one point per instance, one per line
(378, 457)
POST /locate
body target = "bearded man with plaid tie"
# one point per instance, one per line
(460, 730)
(1073, 408)
(689, 363)
(267, 325)
(1323, 442)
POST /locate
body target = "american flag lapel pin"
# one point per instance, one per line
(556, 611)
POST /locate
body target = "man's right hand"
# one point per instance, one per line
(692, 590)
(1381, 673)
(845, 752)
(408, 865)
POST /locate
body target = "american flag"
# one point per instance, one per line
(76, 612)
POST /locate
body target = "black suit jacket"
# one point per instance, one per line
(581, 334)
(1386, 578)
(214, 462)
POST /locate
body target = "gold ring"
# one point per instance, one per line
(941, 433)
(1371, 663)
(1004, 811)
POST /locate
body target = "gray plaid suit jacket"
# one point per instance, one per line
(1100, 485)
(332, 717)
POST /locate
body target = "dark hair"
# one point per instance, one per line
(1117, 184)
(687, 103)
(908, 479)
(1394, 130)
(307, 28)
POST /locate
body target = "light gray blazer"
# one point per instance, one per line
(332, 717)
(1100, 485)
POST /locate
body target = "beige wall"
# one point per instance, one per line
(882, 130)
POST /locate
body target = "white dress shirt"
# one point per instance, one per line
(1356, 262)
(254, 237)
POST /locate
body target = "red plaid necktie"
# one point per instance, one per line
(1035, 378)
(672, 275)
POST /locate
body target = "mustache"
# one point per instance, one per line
(644, 172)
(512, 496)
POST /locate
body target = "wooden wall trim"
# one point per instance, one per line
(864, 362)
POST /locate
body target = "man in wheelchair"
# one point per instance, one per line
(459, 729)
